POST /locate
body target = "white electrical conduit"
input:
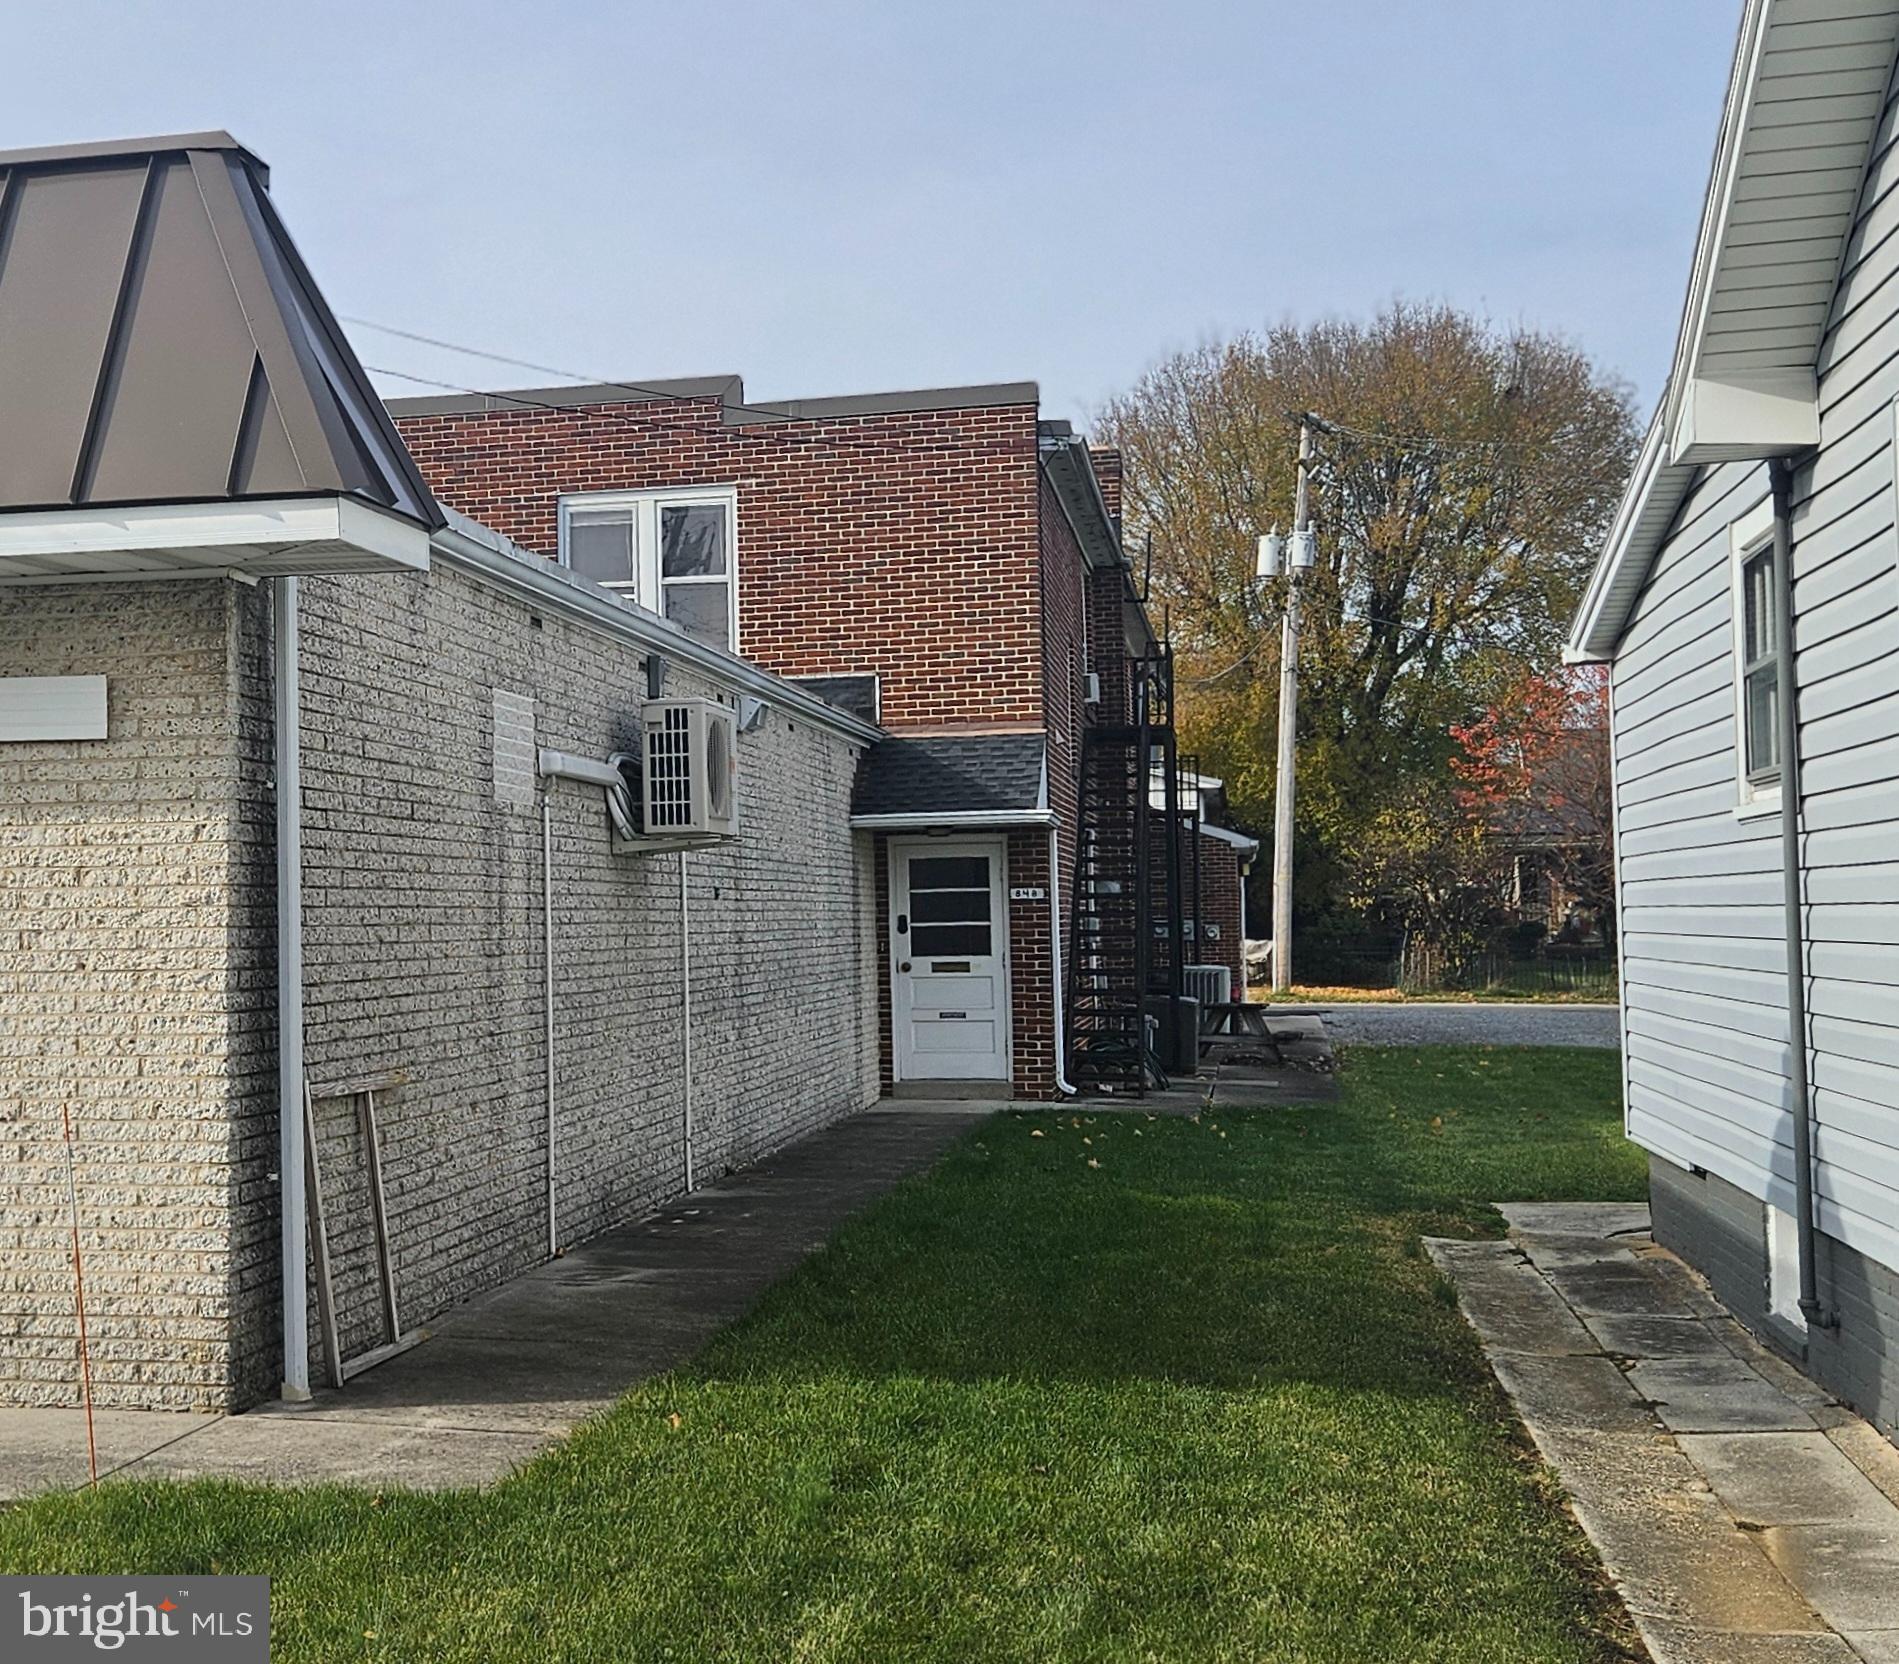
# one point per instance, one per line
(1055, 957)
(547, 957)
(562, 765)
(685, 1016)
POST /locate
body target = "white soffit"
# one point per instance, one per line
(1804, 103)
(290, 538)
(1809, 83)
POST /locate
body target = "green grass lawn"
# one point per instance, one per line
(1092, 1389)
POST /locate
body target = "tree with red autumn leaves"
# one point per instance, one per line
(1532, 772)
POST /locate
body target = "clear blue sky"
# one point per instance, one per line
(834, 196)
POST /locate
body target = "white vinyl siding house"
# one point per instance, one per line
(1709, 1069)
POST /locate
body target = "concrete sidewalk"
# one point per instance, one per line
(1744, 1515)
(510, 1372)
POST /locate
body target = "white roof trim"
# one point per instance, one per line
(1744, 381)
(1239, 840)
(490, 558)
(924, 820)
(279, 537)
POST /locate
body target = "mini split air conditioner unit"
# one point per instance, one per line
(689, 772)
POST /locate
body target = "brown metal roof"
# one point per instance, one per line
(162, 342)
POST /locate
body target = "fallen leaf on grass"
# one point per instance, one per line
(1037, 1133)
(1092, 1162)
(675, 1421)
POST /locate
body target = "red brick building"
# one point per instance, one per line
(943, 562)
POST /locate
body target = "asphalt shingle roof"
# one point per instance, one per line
(954, 774)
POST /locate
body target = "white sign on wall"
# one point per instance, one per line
(52, 708)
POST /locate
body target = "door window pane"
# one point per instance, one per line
(692, 540)
(600, 545)
(949, 906)
(968, 939)
(949, 872)
(701, 610)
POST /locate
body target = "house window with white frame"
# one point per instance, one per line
(1760, 679)
(673, 551)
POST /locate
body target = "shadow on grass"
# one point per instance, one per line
(1231, 1252)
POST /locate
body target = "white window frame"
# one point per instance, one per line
(1747, 537)
(648, 587)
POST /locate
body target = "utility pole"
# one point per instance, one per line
(1270, 564)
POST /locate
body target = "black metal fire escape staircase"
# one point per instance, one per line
(1111, 960)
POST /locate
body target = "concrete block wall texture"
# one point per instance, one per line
(424, 958)
(1722, 1232)
(129, 991)
(138, 985)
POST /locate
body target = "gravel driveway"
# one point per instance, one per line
(1499, 1024)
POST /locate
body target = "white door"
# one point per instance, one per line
(949, 941)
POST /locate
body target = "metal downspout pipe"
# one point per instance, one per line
(1780, 478)
(685, 1018)
(551, 765)
(290, 1151)
(547, 994)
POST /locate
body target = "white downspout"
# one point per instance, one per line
(547, 958)
(685, 1015)
(1055, 955)
(290, 1151)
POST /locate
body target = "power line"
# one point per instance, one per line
(647, 424)
(644, 393)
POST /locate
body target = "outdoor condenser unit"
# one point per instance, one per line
(689, 777)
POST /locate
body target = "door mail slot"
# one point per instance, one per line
(958, 1014)
(950, 965)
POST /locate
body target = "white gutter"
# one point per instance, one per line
(1248, 847)
(1055, 958)
(290, 1150)
(913, 822)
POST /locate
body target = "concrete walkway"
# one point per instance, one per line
(507, 1374)
(1744, 1515)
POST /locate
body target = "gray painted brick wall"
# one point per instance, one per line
(137, 966)
(423, 943)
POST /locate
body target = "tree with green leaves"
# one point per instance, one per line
(1463, 481)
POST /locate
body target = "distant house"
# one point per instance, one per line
(1748, 604)
(1556, 832)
